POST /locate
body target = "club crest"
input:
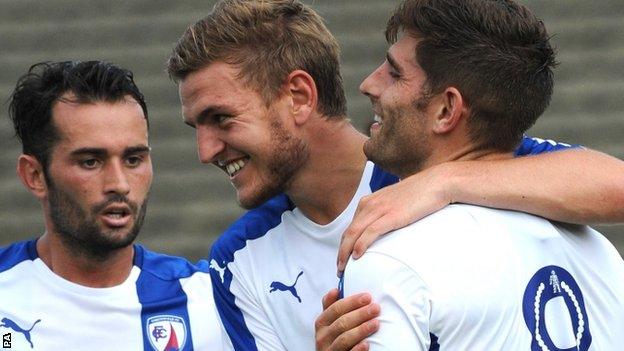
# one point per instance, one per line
(554, 286)
(166, 332)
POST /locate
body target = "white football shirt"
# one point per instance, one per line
(164, 304)
(475, 278)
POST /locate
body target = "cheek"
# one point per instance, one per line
(77, 186)
(142, 181)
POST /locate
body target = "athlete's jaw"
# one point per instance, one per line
(268, 171)
(95, 230)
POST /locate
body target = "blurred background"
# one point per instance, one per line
(192, 203)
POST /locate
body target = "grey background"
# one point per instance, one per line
(192, 203)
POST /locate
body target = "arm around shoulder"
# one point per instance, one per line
(577, 186)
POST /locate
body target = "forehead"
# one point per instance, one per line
(217, 84)
(100, 124)
(404, 50)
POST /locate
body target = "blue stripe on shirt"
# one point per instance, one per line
(252, 225)
(160, 292)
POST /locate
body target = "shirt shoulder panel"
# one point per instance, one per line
(535, 146)
(164, 267)
(252, 225)
(381, 179)
(17, 252)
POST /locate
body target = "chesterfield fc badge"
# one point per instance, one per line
(166, 333)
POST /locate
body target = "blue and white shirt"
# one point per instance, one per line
(273, 266)
(476, 278)
(164, 304)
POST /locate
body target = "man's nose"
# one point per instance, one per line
(116, 178)
(209, 145)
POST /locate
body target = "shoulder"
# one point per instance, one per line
(441, 234)
(165, 267)
(456, 216)
(12, 255)
(252, 225)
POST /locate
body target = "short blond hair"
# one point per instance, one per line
(266, 40)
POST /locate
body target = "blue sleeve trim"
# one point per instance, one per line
(535, 146)
(381, 179)
(254, 224)
(12, 255)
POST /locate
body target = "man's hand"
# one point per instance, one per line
(391, 208)
(345, 323)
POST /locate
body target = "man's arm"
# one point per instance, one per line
(402, 297)
(576, 186)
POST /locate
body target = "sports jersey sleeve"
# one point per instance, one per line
(245, 323)
(402, 296)
(231, 272)
(534, 146)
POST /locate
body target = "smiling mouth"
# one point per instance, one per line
(378, 119)
(232, 167)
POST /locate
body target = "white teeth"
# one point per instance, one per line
(377, 119)
(234, 167)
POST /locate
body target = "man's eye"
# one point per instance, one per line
(134, 161)
(394, 74)
(89, 163)
(219, 119)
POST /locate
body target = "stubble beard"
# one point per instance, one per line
(286, 157)
(401, 146)
(79, 230)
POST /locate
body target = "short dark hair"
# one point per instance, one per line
(45, 83)
(496, 52)
(266, 40)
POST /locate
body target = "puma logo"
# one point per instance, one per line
(214, 265)
(7, 323)
(283, 287)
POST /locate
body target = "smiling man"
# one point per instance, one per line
(259, 81)
(83, 284)
(463, 80)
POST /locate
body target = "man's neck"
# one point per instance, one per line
(326, 184)
(467, 153)
(80, 269)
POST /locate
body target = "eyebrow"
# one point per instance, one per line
(392, 62)
(102, 152)
(207, 112)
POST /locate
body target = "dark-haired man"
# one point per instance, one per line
(260, 83)
(463, 81)
(83, 284)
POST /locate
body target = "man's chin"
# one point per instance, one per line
(251, 201)
(372, 150)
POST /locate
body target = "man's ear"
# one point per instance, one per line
(30, 172)
(302, 90)
(451, 109)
